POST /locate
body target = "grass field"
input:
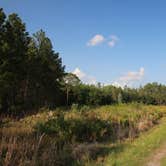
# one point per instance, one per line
(107, 135)
(163, 162)
(137, 152)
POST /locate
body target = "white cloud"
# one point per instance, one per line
(130, 78)
(79, 73)
(118, 84)
(87, 79)
(96, 40)
(113, 41)
(133, 76)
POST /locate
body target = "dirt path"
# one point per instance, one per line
(157, 156)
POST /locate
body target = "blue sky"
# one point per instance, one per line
(110, 41)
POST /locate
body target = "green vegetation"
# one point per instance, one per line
(32, 76)
(30, 71)
(163, 162)
(75, 136)
(97, 124)
(136, 153)
(101, 124)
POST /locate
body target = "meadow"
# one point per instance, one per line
(80, 135)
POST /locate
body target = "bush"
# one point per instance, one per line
(84, 108)
(74, 107)
(87, 130)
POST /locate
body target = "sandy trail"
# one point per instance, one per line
(157, 156)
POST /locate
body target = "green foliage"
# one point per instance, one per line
(137, 152)
(84, 108)
(63, 137)
(100, 124)
(53, 126)
(30, 71)
(153, 93)
(163, 162)
(32, 76)
(75, 129)
(44, 72)
(13, 51)
(74, 107)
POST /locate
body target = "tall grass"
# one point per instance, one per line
(137, 152)
(74, 136)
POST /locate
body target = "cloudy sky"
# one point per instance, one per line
(110, 41)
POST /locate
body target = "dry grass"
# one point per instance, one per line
(21, 145)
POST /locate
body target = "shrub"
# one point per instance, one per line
(84, 108)
(74, 107)
(100, 124)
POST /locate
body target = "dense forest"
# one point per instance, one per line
(32, 76)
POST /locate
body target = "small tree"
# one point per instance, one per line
(70, 80)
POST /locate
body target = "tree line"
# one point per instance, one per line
(32, 75)
(151, 93)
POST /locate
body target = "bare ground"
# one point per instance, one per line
(157, 156)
